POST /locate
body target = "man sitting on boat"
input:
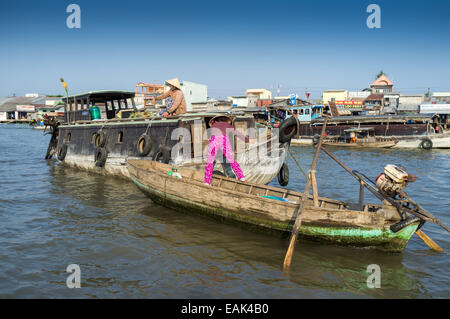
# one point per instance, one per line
(175, 102)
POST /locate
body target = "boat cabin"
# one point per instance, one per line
(77, 107)
(275, 114)
(307, 113)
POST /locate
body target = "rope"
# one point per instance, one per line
(298, 165)
(150, 123)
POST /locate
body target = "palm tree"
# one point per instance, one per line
(380, 74)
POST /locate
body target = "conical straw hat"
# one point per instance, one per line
(220, 116)
(175, 82)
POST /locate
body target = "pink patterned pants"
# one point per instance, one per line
(220, 142)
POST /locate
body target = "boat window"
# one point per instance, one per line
(120, 137)
(68, 137)
(307, 111)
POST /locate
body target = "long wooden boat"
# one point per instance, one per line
(363, 138)
(370, 142)
(270, 208)
(362, 144)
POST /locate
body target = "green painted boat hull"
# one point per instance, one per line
(382, 239)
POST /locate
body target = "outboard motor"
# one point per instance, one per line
(394, 180)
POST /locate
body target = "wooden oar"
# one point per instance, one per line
(427, 240)
(301, 205)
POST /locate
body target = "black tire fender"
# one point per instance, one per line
(426, 144)
(100, 156)
(283, 175)
(287, 129)
(402, 224)
(144, 145)
(100, 138)
(162, 155)
(316, 139)
(62, 152)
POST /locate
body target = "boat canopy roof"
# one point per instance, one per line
(101, 96)
(359, 129)
(298, 107)
(377, 118)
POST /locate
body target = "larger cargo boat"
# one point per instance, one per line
(103, 145)
(410, 130)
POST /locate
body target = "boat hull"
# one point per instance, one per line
(326, 225)
(384, 144)
(81, 149)
(439, 141)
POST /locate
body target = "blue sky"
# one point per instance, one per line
(229, 45)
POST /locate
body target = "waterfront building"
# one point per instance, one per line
(211, 105)
(440, 98)
(373, 103)
(391, 100)
(193, 93)
(20, 108)
(409, 103)
(145, 92)
(53, 100)
(239, 101)
(245, 101)
(261, 94)
(353, 95)
(349, 107)
(382, 85)
(334, 95)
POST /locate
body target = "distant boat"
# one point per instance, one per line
(359, 138)
(427, 141)
(38, 127)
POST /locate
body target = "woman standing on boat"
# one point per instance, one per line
(220, 126)
(175, 102)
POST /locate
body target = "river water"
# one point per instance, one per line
(126, 246)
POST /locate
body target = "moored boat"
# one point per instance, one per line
(359, 138)
(272, 209)
(427, 141)
(103, 143)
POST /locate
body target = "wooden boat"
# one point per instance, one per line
(270, 208)
(360, 137)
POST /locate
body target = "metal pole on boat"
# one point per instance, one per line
(301, 206)
(361, 196)
(427, 216)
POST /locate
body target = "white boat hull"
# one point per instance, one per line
(439, 141)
